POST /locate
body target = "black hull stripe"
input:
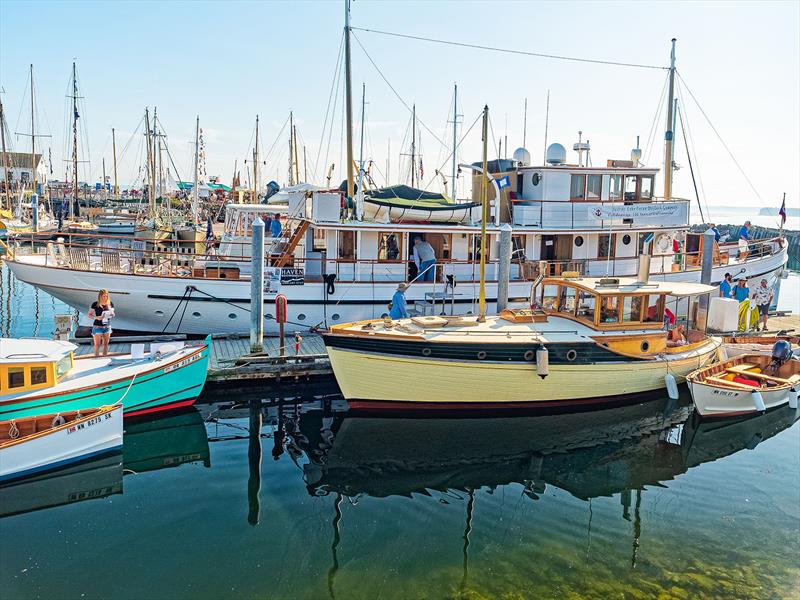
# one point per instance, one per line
(585, 353)
(330, 302)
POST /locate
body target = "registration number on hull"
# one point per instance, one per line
(182, 363)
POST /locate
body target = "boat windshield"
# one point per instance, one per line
(63, 366)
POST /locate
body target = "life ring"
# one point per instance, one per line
(663, 243)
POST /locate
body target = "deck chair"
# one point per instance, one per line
(110, 261)
(79, 259)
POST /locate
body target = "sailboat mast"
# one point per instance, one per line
(255, 166)
(104, 173)
(291, 149)
(348, 99)
(413, 142)
(114, 149)
(305, 166)
(296, 159)
(669, 135)
(361, 145)
(195, 191)
(74, 135)
(151, 203)
(7, 203)
(455, 140)
(484, 212)
(33, 136)
(525, 123)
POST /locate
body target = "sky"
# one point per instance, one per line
(229, 61)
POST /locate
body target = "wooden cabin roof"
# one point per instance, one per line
(607, 286)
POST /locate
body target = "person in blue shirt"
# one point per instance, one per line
(741, 292)
(399, 308)
(725, 286)
(717, 234)
(744, 240)
(275, 226)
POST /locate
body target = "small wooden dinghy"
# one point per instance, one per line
(748, 383)
(755, 344)
(36, 444)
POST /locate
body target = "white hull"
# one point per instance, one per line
(714, 401)
(63, 445)
(164, 304)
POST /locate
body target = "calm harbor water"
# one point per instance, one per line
(283, 493)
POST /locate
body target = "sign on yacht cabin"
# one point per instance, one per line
(633, 211)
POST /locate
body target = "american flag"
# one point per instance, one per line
(782, 211)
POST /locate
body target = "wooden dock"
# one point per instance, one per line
(231, 359)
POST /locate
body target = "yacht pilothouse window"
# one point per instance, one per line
(609, 309)
(594, 183)
(615, 188)
(632, 308)
(646, 193)
(577, 187)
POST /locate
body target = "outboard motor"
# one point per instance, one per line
(272, 189)
(781, 352)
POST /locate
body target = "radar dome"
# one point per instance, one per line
(556, 154)
(522, 157)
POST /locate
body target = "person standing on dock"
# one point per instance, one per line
(399, 309)
(725, 288)
(102, 311)
(762, 297)
(742, 293)
(425, 258)
(275, 226)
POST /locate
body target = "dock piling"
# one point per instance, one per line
(257, 287)
(504, 266)
(709, 241)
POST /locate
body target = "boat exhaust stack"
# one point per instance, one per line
(643, 273)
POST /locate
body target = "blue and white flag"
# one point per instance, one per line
(503, 182)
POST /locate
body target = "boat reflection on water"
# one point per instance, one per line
(148, 444)
(588, 454)
(87, 480)
(169, 441)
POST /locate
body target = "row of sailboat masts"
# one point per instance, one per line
(6, 185)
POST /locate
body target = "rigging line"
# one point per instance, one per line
(510, 51)
(691, 168)
(458, 145)
(332, 96)
(653, 126)
(693, 146)
(408, 108)
(724, 145)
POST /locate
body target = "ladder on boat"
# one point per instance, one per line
(286, 253)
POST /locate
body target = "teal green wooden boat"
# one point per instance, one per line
(44, 376)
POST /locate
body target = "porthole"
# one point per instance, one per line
(529, 355)
(159, 313)
(336, 316)
(536, 178)
(578, 241)
(270, 316)
(301, 317)
(626, 239)
(231, 315)
(196, 315)
(645, 346)
(572, 355)
(481, 355)
(426, 352)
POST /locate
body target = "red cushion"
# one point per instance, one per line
(747, 381)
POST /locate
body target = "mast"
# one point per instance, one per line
(413, 142)
(484, 211)
(255, 166)
(195, 191)
(296, 159)
(525, 123)
(361, 148)
(348, 99)
(104, 173)
(33, 137)
(669, 135)
(151, 196)
(455, 139)
(305, 165)
(114, 149)
(74, 138)
(546, 126)
(291, 149)
(7, 203)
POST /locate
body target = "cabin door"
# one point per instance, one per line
(441, 244)
(557, 250)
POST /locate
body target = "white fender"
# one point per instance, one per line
(758, 401)
(793, 398)
(672, 386)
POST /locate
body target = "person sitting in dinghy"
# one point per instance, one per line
(101, 311)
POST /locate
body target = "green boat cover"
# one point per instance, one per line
(405, 192)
